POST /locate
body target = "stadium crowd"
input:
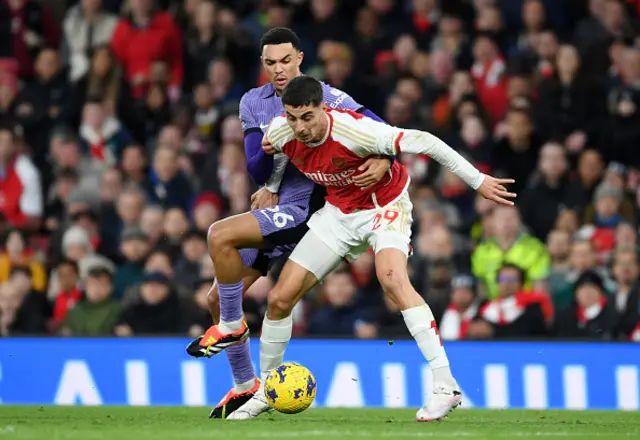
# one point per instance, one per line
(120, 144)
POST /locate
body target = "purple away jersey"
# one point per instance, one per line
(260, 105)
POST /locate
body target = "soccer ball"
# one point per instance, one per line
(290, 388)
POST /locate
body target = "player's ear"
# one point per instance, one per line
(324, 106)
(300, 57)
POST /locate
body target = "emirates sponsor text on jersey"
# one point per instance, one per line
(342, 178)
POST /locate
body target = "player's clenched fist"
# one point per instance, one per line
(494, 189)
(267, 147)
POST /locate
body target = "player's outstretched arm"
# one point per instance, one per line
(394, 140)
(421, 142)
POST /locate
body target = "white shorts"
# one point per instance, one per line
(334, 235)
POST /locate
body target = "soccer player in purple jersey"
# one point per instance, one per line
(243, 246)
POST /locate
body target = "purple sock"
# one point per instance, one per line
(231, 301)
(240, 360)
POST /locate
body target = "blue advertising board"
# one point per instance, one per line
(141, 371)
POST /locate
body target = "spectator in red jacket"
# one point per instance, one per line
(143, 37)
(32, 29)
(20, 190)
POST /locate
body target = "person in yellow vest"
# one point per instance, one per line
(17, 253)
(509, 244)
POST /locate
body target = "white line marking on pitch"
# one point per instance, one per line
(322, 433)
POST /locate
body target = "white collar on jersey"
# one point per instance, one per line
(326, 135)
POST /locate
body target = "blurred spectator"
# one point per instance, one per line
(166, 184)
(510, 244)
(134, 246)
(69, 294)
(194, 248)
(143, 36)
(32, 29)
(20, 187)
(103, 137)
(152, 223)
(340, 314)
(158, 311)
(625, 271)
(86, 26)
(462, 309)
(24, 311)
(550, 191)
(17, 253)
(590, 315)
(515, 312)
(98, 313)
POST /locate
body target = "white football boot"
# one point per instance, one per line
(442, 401)
(253, 408)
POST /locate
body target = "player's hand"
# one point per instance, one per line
(373, 170)
(263, 198)
(494, 189)
(267, 147)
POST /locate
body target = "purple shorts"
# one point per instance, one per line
(282, 227)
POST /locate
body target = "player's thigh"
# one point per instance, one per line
(335, 230)
(239, 231)
(390, 227)
(309, 263)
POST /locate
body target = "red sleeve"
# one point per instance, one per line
(50, 30)
(118, 43)
(175, 53)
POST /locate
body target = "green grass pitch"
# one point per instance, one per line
(164, 423)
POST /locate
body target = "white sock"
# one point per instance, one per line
(230, 326)
(246, 386)
(275, 337)
(421, 325)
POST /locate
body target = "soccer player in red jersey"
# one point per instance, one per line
(328, 147)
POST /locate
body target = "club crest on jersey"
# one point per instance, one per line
(298, 161)
(339, 162)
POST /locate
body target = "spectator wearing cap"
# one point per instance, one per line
(194, 247)
(69, 294)
(515, 313)
(591, 315)
(17, 253)
(207, 208)
(462, 308)
(143, 36)
(20, 185)
(134, 247)
(510, 244)
(76, 246)
(158, 310)
(98, 313)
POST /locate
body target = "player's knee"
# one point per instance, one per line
(219, 236)
(395, 283)
(280, 304)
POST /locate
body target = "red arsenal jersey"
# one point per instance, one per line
(350, 140)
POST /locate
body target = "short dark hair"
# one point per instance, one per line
(302, 91)
(280, 35)
(70, 263)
